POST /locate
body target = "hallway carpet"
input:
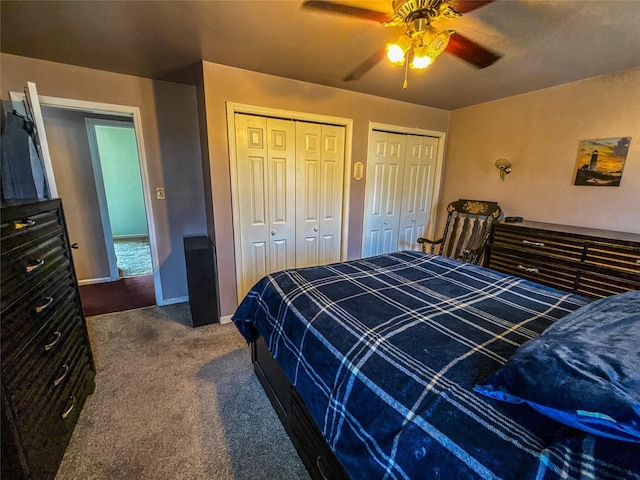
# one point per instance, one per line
(124, 294)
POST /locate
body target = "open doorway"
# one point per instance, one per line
(116, 168)
(74, 182)
(96, 164)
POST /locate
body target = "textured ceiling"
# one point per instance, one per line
(544, 43)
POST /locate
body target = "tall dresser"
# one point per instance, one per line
(47, 366)
(590, 262)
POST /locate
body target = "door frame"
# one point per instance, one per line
(123, 111)
(437, 180)
(347, 123)
(91, 123)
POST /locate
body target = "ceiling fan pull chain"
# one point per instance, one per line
(406, 73)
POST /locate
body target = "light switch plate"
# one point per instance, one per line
(160, 193)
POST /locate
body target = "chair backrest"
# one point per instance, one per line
(468, 228)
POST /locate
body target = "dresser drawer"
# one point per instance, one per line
(598, 284)
(47, 367)
(25, 318)
(623, 258)
(41, 366)
(539, 243)
(47, 433)
(320, 461)
(537, 268)
(24, 268)
(28, 225)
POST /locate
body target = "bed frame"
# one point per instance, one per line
(316, 455)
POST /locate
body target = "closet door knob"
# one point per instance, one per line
(315, 229)
(273, 233)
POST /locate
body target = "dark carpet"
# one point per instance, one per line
(124, 294)
(177, 403)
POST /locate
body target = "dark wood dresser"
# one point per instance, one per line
(590, 262)
(47, 366)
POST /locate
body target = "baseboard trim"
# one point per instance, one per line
(171, 301)
(131, 237)
(91, 281)
(225, 319)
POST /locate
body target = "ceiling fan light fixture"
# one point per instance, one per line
(421, 59)
(439, 42)
(396, 51)
(418, 63)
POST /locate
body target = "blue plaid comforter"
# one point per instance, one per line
(385, 352)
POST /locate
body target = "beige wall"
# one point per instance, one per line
(171, 141)
(227, 84)
(539, 133)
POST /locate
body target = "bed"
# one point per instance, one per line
(382, 368)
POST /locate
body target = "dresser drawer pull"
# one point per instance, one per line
(34, 265)
(49, 346)
(320, 470)
(66, 413)
(533, 244)
(45, 305)
(527, 269)
(58, 380)
(24, 223)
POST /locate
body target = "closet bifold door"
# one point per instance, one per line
(399, 190)
(417, 190)
(383, 196)
(266, 170)
(319, 178)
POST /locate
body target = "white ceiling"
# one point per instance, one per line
(544, 43)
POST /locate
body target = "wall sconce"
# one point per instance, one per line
(504, 166)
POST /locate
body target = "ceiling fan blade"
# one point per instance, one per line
(343, 9)
(466, 6)
(365, 66)
(471, 52)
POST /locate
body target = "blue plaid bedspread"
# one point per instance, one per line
(385, 352)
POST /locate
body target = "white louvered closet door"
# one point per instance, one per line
(319, 180)
(417, 190)
(265, 149)
(383, 196)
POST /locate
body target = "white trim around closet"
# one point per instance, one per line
(441, 136)
(232, 109)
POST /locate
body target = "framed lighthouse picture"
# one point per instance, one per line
(600, 162)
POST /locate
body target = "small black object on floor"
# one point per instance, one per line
(202, 280)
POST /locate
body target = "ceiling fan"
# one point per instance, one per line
(421, 42)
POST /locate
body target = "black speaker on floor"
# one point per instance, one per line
(202, 280)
